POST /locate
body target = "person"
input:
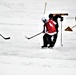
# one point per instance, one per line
(55, 18)
(49, 30)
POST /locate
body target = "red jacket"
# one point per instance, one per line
(50, 27)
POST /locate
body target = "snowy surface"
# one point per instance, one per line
(20, 56)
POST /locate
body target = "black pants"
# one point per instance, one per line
(54, 39)
(47, 40)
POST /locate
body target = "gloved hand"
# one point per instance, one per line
(43, 31)
(61, 19)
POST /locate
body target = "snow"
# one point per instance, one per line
(15, 65)
(20, 56)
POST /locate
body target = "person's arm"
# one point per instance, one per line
(59, 16)
(44, 28)
(61, 19)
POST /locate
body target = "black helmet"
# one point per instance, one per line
(50, 16)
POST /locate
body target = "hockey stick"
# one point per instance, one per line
(40, 32)
(45, 7)
(6, 38)
(33, 36)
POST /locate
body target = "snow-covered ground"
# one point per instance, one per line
(20, 56)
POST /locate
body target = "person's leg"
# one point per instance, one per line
(54, 39)
(50, 41)
(45, 40)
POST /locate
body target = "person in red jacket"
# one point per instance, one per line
(49, 30)
(55, 18)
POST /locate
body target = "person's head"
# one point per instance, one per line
(44, 20)
(50, 16)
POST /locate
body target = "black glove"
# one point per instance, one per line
(43, 31)
(61, 19)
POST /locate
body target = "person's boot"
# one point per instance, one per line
(43, 46)
(50, 47)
